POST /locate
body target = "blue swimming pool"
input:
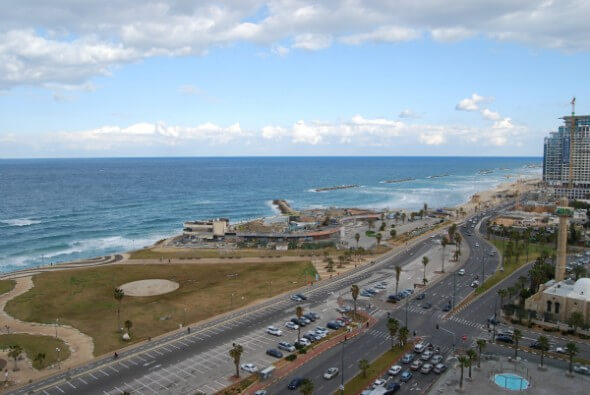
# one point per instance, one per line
(511, 381)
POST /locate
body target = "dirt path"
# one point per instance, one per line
(81, 345)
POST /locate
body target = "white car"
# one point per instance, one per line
(475, 284)
(461, 272)
(249, 367)
(291, 325)
(378, 383)
(303, 341)
(561, 350)
(331, 373)
(286, 346)
(477, 244)
(418, 348)
(271, 330)
(394, 370)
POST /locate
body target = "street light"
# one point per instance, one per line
(448, 331)
(58, 357)
(56, 322)
(342, 367)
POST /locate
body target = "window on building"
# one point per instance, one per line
(549, 306)
(556, 308)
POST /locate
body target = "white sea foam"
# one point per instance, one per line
(20, 221)
(273, 207)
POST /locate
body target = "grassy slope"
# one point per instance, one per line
(6, 286)
(84, 299)
(35, 344)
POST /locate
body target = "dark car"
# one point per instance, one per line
(295, 383)
(393, 298)
(301, 296)
(315, 315)
(310, 337)
(427, 305)
(447, 307)
(333, 325)
(298, 321)
(421, 296)
(392, 388)
(273, 352)
(493, 320)
(310, 317)
(504, 338)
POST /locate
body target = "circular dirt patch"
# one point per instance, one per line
(149, 287)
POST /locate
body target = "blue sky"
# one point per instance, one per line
(288, 77)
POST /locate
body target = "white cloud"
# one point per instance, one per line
(470, 103)
(385, 34)
(451, 34)
(280, 50)
(408, 113)
(272, 132)
(312, 42)
(432, 139)
(505, 123)
(490, 115)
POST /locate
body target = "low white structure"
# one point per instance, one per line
(207, 229)
(561, 299)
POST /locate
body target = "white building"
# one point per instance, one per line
(207, 229)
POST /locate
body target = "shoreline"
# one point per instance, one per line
(485, 196)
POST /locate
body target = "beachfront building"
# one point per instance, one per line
(206, 230)
(557, 158)
(558, 300)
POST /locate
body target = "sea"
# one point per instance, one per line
(56, 210)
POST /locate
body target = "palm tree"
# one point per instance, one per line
(306, 387)
(403, 218)
(398, 272)
(425, 209)
(39, 360)
(517, 337)
(354, 291)
(371, 223)
(393, 327)
(236, 353)
(341, 259)
(543, 346)
(452, 231)
(364, 366)
(403, 335)
(378, 236)
(456, 255)
(299, 314)
(458, 239)
(14, 352)
(481, 344)
(392, 233)
(444, 244)
(571, 349)
(463, 362)
(576, 320)
(118, 294)
(128, 325)
(503, 293)
(471, 355)
(357, 237)
(425, 261)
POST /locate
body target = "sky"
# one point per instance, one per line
(106, 78)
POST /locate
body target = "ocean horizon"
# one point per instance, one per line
(63, 209)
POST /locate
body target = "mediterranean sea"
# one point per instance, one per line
(55, 210)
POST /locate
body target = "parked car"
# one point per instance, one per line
(333, 325)
(291, 325)
(440, 368)
(560, 350)
(426, 368)
(427, 305)
(298, 321)
(260, 392)
(505, 339)
(378, 383)
(322, 330)
(249, 367)
(295, 383)
(417, 364)
(409, 357)
(393, 298)
(406, 376)
(394, 370)
(301, 296)
(581, 369)
(426, 355)
(421, 296)
(475, 284)
(331, 373)
(286, 346)
(310, 317)
(392, 388)
(273, 352)
(310, 337)
(296, 298)
(419, 347)
(436, 359)
(461, 272)
(303, 342)
(271, 330)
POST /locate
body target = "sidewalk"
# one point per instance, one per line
(302, 359)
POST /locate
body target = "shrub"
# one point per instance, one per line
(291, 357)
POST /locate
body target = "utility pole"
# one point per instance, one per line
(454, 287)
(342, 367)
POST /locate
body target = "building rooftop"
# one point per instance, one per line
(569, 289)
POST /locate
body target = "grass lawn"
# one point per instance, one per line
(358, 383)
(6, 286)
(534, 251)
(84, 298)
(35, 344)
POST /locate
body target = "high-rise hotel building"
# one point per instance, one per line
(559, 155)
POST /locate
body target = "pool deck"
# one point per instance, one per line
(547, 382)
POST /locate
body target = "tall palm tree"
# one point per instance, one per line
(393, 327)
(39, 360)
(425, 209)
(571, 349)
(378, 236)
(517, 337)
(471, 355)
(458, 239)
(403, 335)
(403, 218)
(543, 342)
(456, 255)
(354, 291)
(364, 367)
(236, 353)
(306, 387)
(357, 237)
(425, 261)
(463, 362)
(118, 294)
(452, 231)
(481, 344)
(299, 314)
(444, 244)
(14, 352)
(398, 272)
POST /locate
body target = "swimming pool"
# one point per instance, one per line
(511, 381)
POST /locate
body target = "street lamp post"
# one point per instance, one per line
(407, 301)
(58, 357)
(231, 303)
(342, 367)
(454, 287)
(56, 322)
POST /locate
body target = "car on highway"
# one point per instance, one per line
(260, 392)
(493, 320)
(331, 373)
(436, 359)
(273, 352)
(560, 350)
(291, 325)
(286, 346)
(475, 284)
(505, 339)
(406, 376)
(426, 368)
(296, 298)
(295, 383)
(426, 355)
(249, 367)
(461, 272)
(407, 358)
(418, 348)
(421, 296)
(394, 370)
(427, 305)
(417, 364)
(440, 368)
(271, 330)
(301, 296)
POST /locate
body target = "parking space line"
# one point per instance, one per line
(93, 376)
(122, 363)
(106, 374)
(60, 390)
(82, 380)
(71, 385)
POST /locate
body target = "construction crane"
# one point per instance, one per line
(572, 131)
